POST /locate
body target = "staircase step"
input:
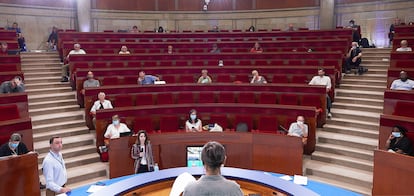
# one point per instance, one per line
(49, 90)
(68, 142)
(359, 94)
(345, 174)
(33, 80)
(72, 152)
(358, 107)
(366, 133)
(376, 66)
(375, 57)
(363, 101)
(43, 85)
(51, 110)
(33, 70)
(364, 82)
(51, 97)
(55, 103)
(76, 161)
(345, 150)
(343, 160)
(366, 76)
(347, 140)
(40, 64)
(353, 123)
(356, 115)
(58, 125)
(57, 117)
(363, 87)
(43, 136)
(384, 61)
(84, 172)
(366, 191)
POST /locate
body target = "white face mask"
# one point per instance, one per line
(299, 122)
(353, 47)
(396, 134)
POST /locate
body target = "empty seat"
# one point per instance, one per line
(185, 97)
(220, 119)
(168, 79)
(166, 63)
(267, 98)
(225, 97)
(186, 79)
(199, 50)
(246, 97)
(299, 79)
(241, 118)
(11, 110)
(143, 123)
(223, 78)
(206, 97)
(404, 108)
(311, 100)
(169, 123)
(280, 79)
(260, 62)
(123, 101)
(165, 98)
(110, 81)
(268, 124)
(242, 78)
(144, 99)
(288, 99)
(181, 63)
(117, 64)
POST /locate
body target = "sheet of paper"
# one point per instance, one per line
(94, 188)
(286, 177)
(62, 194)
(302, 180)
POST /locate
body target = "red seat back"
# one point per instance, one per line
(220, 119)
(267, 98)
(280, 79)
(185, 97)
(144, 99)
(243, 119)
(404, 108)
(9, 112)
(268, 124)
(165, 98)
(168, 123)
(143, 123)
(123, 101)
(246, 97)
(299, 79)
(225, 97)
(288, 99)
(206, 97)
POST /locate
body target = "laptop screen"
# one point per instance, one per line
(194, 156)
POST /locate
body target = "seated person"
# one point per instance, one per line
(322, 79)
(53, 39)
(215, 49)
(291, 28)
(193, 124)
(213, 156)
(89, 82)
(100, 104)
(403, 83)
(15, 27)
(256, 48)
(146, 79)
(160, 29)
(215, 29)
(257, 79)
(124, 50)
(204, 78)
(353, 58)
(115, 129)
(3, 48)
(170, 49)
(391, 33)
(251, 29)
(14, 146)
(134, 30)
(21, 41)
(65, 68)
(404, 47)
(15, 85)
(299, 129)
(399, 142)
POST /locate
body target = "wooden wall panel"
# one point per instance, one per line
(352, 1)
(115, 5)
(244, 4)
(221, 5)
(190, 5)
(166, 5)
(147, 5)
(266, 4)
(50, 3)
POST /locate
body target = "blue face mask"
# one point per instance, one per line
(13, 145)
(193, 116)
(396, 134)
(115, 122)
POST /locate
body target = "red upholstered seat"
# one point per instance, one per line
(165, 98)
(288, 99)
(130, 80)
(143, 123)
(242, 78)
(311, 100)
(110, 81)
(206, 97)
(260, 62)
(280, 79)
(268, 124)
(144, 99)
(267, 98)
(168, 79)
(166, 63)
(169, 124)
(242, 118)
(299, 79)
(404, 108)
(225, 97)
(220, 119)
(123, 101)
(186, 79)
(223, 78)
(246, 97)
(185, 97)
(9, 112)
(117, 64)
(181, 63)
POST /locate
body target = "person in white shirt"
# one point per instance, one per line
(193, 124)
(322, 79)
(299, 129)
(100, 104)
(65, 68)
(115, 129)
(404, 47)
(257, 79)
(124, 50)
(54, 169)
(403, 83)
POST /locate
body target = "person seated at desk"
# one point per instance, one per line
(124, 50)
(193, 124)
(170, 49)
(204, 78)
(14, 146)
(100, 104)
(403, 83)
(404, 47)
(146, 79)
(215, 49)
(213, 156)
(4, 48)
(141, 152)
(115, 129)
(90, 82)
(256, 48)
(257, 79)
(398, 141)
(134, 30)
(15, 85)
(251, 29)
(322, 79)
(299, 129)
(65, 68)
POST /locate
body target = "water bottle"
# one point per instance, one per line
(156, 168)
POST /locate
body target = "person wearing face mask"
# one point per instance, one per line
(114, 130)
(89, 82)
(257, 79)
(353, 58)
(141, 152)
(14, 146)
(321, 79)
(398, 141)
(193, 124)
(403, 83)
(299, 129)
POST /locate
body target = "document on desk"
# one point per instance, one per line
(62, 194)
(94, 188)
(301, 180)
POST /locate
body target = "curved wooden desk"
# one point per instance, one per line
(255, 179)
(257, 151)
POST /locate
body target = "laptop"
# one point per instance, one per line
(125, 134)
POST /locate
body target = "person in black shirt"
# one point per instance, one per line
(14, 146)
(399, 142)
(53, 39)
(353, 58)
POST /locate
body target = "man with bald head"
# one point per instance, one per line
(403, 83)
(404, 47)
(89, 82)
(65, 68)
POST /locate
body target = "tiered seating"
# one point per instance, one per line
(10, 67)
(402, 59)
(167, 118)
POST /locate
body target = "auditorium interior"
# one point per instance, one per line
(349, 125)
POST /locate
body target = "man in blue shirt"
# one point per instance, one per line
(54, 169)
(146, 79)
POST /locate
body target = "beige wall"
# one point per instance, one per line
(374, 18)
